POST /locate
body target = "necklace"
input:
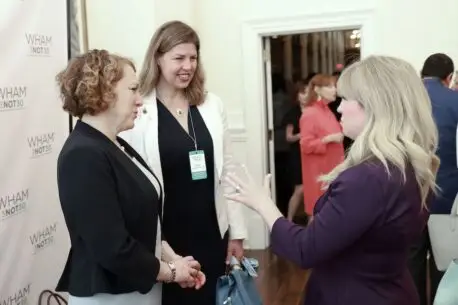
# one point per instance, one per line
(179, 112)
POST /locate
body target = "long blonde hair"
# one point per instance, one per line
(400, 128)
(166, 37)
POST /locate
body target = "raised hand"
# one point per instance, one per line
(254, 196)
(249, 192)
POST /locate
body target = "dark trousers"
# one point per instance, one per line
(422, 269)
(282, 185)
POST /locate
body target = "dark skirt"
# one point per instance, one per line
(295, 167)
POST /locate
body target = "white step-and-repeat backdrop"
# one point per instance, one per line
(33, 237)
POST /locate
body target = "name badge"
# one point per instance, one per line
(198, 166)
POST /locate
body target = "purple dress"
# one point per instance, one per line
(359, 240)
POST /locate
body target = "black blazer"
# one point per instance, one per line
(111, 210)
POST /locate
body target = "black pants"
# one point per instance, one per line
(419, 265)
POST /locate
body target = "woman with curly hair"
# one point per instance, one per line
(110, 198)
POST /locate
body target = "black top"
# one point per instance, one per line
(190, 222)
(189, 207)
(293, 117)
(111, 210)
(333, 106)
(347, 142)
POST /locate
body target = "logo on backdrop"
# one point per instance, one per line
(19, 297)
(41, 144)
(12, 98)
(43, 238)
(39, 44)
(13, 204)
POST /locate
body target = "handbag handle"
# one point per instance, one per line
(234, 264)
(245, 263)
(57, 297)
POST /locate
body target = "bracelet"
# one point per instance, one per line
(173, 270)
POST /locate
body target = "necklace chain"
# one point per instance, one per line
(179, 112)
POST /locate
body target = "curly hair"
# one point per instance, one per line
(166, 37)
(87, 84)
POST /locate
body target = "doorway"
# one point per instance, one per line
(287, 60)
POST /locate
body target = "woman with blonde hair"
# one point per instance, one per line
(376, 200)
(320, 138)
(182, 133)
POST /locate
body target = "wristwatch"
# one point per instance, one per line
(173, 269)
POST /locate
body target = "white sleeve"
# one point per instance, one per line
(237, 225)
(456, 139)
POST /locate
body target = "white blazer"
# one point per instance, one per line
(144, 139)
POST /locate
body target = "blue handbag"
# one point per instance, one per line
(447, 294)
(238, 287)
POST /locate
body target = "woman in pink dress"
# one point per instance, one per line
(321, 138)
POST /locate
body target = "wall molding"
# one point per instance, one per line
(254, 97)
(238, 136)
(237, 128)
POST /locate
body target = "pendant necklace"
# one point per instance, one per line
(179, 112)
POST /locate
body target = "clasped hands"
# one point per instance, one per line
(188, 273)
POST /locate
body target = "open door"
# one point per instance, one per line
(270, 166)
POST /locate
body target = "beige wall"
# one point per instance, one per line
(410, 29)
(126, 27)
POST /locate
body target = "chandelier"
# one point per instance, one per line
(355, 38)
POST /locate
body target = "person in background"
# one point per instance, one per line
(182, 134)
(376, 202)
(293, 136)
(437, 73)
(110, 198)
(454, 82)
(281, 103)
(334, 106)
(321, 138)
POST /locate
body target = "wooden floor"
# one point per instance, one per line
(279, 281)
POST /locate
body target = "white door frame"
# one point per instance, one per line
(254, 88)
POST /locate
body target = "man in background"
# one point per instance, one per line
(437, 73)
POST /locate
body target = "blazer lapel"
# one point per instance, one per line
(210, 114)
(151, 138)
